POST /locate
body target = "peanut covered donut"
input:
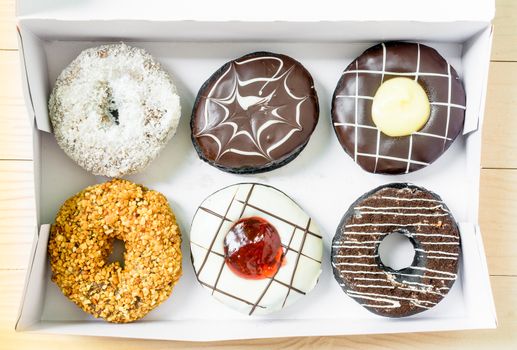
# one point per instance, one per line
(113, 109)
(81, 239)
(425, 220)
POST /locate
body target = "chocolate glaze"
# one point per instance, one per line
(416, 213)
(255, 113)
(411, 60)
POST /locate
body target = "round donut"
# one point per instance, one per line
(255, 114)
(81, 240)
(426, 221)
(351, 112)
(113, 109)
(254, 249)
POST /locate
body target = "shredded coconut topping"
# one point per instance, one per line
(113, 109)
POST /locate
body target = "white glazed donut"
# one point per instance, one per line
(113, 109)
(213, 248)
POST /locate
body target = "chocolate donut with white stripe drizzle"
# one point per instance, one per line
(416, 213)
(255, 113)
(353, 101)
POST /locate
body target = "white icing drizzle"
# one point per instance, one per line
(382, 297)
(359, 71)
(433, 235)
(354, 247)
(449, 95)
(352, 233)
(378, 241)
(422, 291)
(417, 62)
(410, 148)
(430, 277)
(420, 305)
(393, 273)
(391, 303)
(426, 286)
(394, 297)
(378, 138)
(245, 102)
(356, 256)
(355, 264)
(377, 306)
(411, 161)
(369, 279)
(441, 243)
(436, 252)
(402, 199)
(361, 233)
(355, 114)
(445, 104)
(389, 224)
(363, 272)
(400, 214)
(440, 206)
(374, 286)
(360, 242)
(415, 133)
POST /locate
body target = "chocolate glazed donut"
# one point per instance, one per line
(254, 114)
(352, 108)
(422, 217)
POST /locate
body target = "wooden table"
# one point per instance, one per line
(498, 213)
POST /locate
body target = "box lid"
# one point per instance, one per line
(265, 10)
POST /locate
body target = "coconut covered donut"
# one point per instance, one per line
(113, 109)
(81, 240)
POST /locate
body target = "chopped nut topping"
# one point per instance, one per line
(81, 240)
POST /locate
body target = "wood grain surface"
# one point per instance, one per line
(498, 211)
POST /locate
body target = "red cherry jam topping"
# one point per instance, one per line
(253, 248)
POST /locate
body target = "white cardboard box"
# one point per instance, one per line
(192, 39)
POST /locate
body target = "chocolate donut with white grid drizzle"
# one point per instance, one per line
(255, 114)
(254, 249)
(354, 97)
(426, 221)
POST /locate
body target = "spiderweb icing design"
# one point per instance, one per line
(257, 109)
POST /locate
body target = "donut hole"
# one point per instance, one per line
(117, 252)
(108, 104)
(111, 107)
(113, 111)
(396, 251)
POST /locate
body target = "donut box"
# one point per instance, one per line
(193, 40)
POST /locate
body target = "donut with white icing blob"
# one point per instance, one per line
(398, 107)
(113, 109)
(425, 220)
